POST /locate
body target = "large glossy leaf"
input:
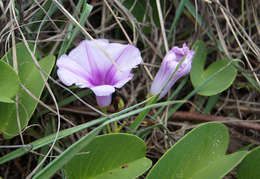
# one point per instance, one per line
(250, 167)
(199, 75)
(200, 154)
(30, 77)
(110, 156)
(9, 82)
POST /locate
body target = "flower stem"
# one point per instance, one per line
(139, 119)
(108, 129)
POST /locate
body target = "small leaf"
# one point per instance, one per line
(9, 82)
(249, 167)
(30, 77)
(139, 11)
(110, 156)
(220, 82)
(200, 154)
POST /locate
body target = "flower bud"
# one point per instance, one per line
(170, 62)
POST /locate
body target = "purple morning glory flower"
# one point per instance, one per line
(168, 67)
(88, 67)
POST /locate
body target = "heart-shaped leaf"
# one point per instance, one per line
(249, 167)
(199, 75)
(110, 156)
(30, 77)
(9, 82)
(199, 154)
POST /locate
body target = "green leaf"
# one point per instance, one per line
(110, 156)
(9, 82)
(198, 75)
(30, 77)
(199, 154)
(249, 167)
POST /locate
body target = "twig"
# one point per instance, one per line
(192, 116)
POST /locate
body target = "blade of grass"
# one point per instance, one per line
(64, 133)
(211, 103)
(63, 158)
(48, 139)
(178, 89)
(146, 131)
(70, 37)
(176, 18)
(251, 81)
(200, 101)
(139, 119)
(67, 100)
(50, 8)
(193, 12)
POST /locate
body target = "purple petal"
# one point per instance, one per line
(104, 101)
(128, 58)
(122, 80)
(168, 67)
(162, 78)
(180, 51)
(103, 94)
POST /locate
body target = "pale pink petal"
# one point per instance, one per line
(123, 80)
(69, 72)
(129, 58)
(89, 55)
(79, 55)
(103, 90)
(126, 56)
(96, 52)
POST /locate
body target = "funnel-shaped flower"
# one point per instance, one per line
(87, 66)
(168, 67)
